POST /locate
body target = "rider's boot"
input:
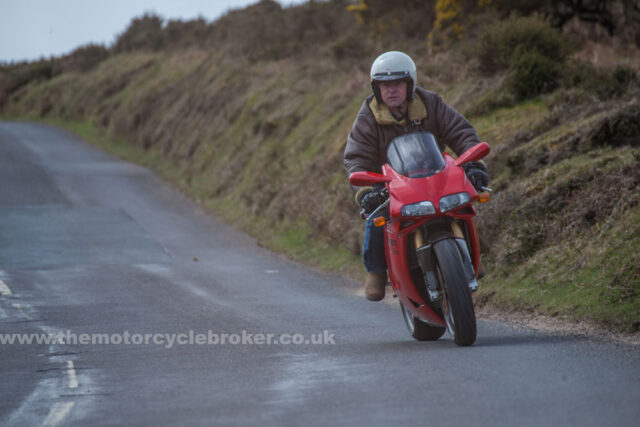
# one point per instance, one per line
(481, 270)
(374, 286)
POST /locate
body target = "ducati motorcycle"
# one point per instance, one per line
(431, 245)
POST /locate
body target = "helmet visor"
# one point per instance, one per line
(390, 76)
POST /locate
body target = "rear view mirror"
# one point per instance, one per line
(474, 153)
(367, 178)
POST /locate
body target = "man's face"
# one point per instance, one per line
(393, 93)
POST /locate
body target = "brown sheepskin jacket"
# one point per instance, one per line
(375, 127)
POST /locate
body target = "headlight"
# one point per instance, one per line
(452, 201)
(419, 209)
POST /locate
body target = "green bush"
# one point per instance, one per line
(181, 34)
(15, 76)
(528, 49)
(502, 44)
(81, 60)
(268, 31)
(532, 74)
(351, 47)
(600, 82)
(625, 76)
(143, 33)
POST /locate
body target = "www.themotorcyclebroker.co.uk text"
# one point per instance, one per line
(169, 340)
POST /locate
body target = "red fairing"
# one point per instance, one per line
(405, 191)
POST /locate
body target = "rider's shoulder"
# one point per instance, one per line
(428, 95)
(366, 105)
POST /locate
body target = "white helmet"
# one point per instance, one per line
(392, 66)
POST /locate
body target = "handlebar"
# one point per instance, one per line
(385, 193)
(378, 209)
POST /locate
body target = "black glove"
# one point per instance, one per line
(477, 174)
(371, 200)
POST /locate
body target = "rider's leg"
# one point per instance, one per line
(374, 261)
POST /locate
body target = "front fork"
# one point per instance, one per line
(425, 257)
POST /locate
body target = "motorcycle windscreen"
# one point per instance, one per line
(415, 155)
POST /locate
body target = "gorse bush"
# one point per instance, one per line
(351, 47)
(264, 30)
(81, 59)
(602, 83)
(625, 76)
(15, 76)
(150, 32)
(180, 34)
(501, 44)
(532, 74)
(143, 33)
(529, 49)
(398, 19)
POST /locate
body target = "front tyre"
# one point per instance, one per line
(457, 305)
(420, 330)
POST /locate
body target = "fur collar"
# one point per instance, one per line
(417, 111)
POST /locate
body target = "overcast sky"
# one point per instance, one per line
(30, 29)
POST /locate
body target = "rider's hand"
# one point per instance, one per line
(370, 200)
(477, 174)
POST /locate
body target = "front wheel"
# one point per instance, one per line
(457, 305)
(420, 330)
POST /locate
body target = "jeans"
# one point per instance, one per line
(373, 248)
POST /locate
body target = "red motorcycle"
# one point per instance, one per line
(431, 244)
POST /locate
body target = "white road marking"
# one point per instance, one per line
(20, 308)
(71, 372)
(58, 413)
(272, 271)
(4, 289)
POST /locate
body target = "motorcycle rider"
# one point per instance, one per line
(397, 107)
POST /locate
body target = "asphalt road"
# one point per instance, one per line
(95, 248)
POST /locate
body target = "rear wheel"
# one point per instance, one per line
(420, 330)
(457, 305)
